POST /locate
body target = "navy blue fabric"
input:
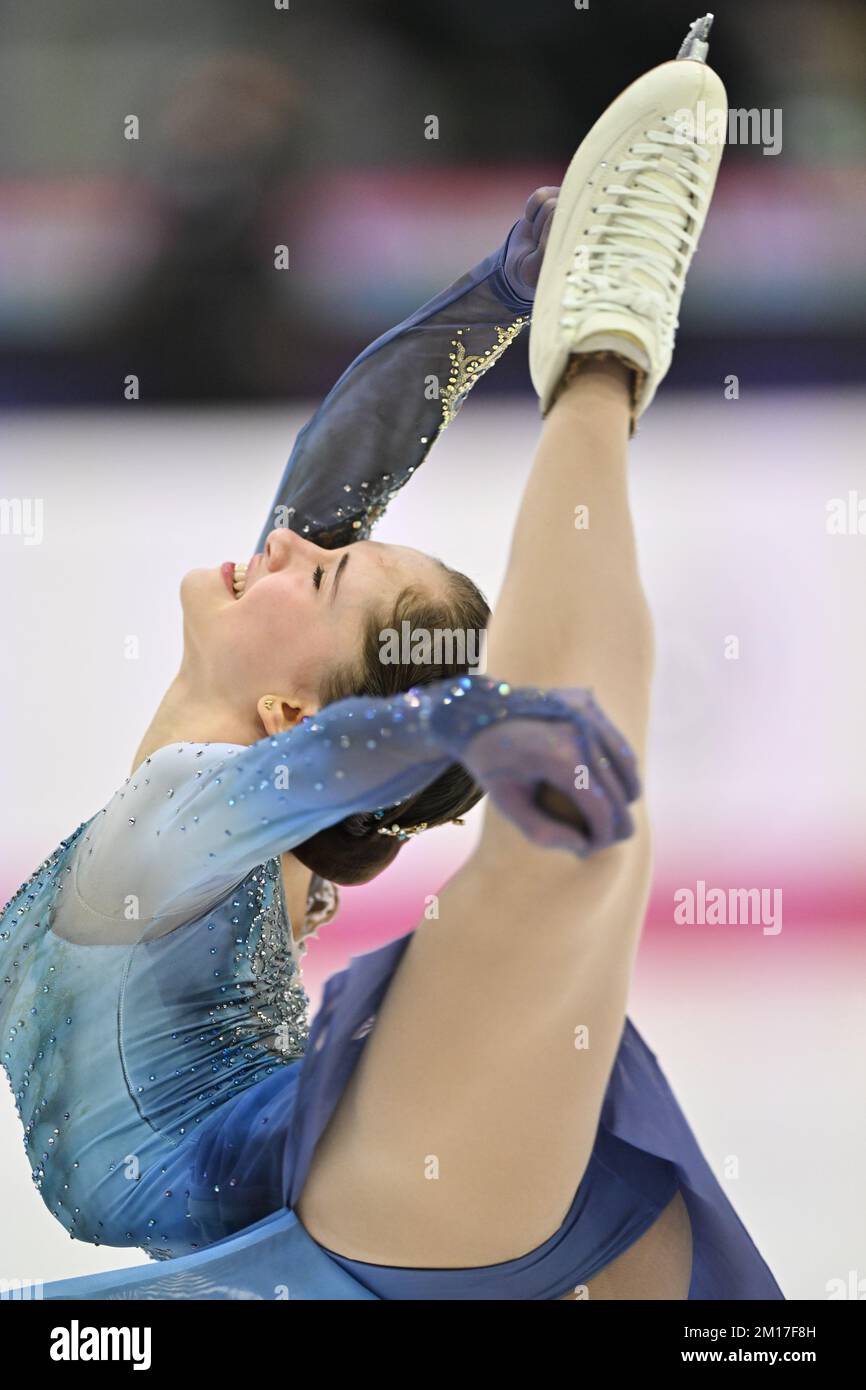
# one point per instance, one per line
(620, 1195)
(644, 1151)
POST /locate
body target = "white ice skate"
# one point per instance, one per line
(630, 212)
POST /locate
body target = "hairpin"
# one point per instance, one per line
(412, 829)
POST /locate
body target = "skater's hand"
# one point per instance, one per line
(527, 242)
(566, 783)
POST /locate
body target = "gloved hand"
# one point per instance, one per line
(566, 783)
(527, 240)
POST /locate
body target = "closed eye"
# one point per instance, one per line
(318, 574)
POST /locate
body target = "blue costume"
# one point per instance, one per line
(153, 1023)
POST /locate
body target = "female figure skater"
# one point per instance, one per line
(473, 1115)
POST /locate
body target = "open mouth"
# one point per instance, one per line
(234, 577)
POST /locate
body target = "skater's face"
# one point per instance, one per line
(301, 615)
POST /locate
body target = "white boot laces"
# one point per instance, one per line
(603, 274)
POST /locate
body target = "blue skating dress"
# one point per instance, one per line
(153, 1024)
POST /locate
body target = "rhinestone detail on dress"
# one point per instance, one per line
(466, 367)
(277, 999)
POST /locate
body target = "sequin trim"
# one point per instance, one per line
(466, 367)
(277, 1000)
(31, 1110)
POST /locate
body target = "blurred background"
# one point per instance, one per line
(306, 127)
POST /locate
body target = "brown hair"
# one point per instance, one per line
(352, 851)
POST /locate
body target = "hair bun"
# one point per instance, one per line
(359, 826)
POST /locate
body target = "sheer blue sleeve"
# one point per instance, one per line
(379, 422)
(358, 754)
(197, 818)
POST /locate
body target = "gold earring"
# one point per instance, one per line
(269, 702)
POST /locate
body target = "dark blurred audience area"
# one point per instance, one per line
(308, 128)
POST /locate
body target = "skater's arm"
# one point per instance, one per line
(379, 422)
(195, 819)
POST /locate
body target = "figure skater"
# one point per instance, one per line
(472, 1115)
